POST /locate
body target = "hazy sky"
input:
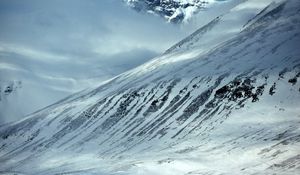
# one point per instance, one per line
(97, 38)
(58, 47)
(89, 31)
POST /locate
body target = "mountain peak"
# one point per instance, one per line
(231, 110)
(174, 11)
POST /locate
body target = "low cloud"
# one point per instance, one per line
(59, 47)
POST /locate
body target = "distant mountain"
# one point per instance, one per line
(232, 109)
(174, 11)
(8, 95)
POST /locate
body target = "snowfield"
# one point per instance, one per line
(232, 109)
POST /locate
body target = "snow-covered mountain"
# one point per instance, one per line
(223, 27)
(175, 11)
(233, 109)
(55, 57)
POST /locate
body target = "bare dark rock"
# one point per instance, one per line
(293, 81)
(272, 89)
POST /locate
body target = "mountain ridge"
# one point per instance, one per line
(174, 11)
(179, 113)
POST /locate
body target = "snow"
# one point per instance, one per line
(176, 11)
(192, 111)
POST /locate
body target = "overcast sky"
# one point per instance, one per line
(97, 38)
(59, 47)
(86, 31)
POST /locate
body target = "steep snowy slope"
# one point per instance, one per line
(231, 110)
(225, 25)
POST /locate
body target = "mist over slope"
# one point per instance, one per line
(232, 109)
(58, 48)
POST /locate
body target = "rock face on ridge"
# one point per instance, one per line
(175, 11)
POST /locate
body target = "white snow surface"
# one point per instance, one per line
(232, 109)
